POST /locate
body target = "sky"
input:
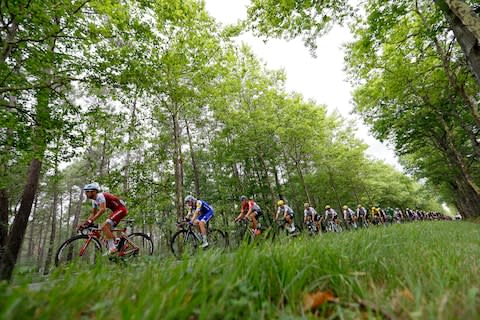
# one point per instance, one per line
(322, 78)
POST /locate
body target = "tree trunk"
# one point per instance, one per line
(51, 242)
(15, 239)
(302, 181)
(466, 14)
(457, 157)
(131, 136)
(468, 40)
(266, 175)
(3, 219)
(196, 174)
(178, 165)
(78, 210)
(32, 228)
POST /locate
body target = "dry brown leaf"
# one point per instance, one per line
(407, 294)
(314, 300)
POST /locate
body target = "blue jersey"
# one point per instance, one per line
(202, 206)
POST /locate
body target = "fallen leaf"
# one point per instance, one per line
(407, 294)
(314, 300)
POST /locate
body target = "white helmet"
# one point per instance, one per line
(189, 198)
(91, 186)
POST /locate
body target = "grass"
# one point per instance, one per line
(425, 270)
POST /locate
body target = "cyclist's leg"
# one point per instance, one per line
(110, 223)
(289, 220)
(254, 220)
(202, 222)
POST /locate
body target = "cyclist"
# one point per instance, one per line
(376, 217)
(349, 216)
(310, 215)
(287, 213)
(250, 210)
(100, 202)
(199, 213)
(398, 215)
(362, 215)
(389, 215)
(331, 215)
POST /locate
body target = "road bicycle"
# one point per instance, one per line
(242, 232)
(281, 223)
(363, 221)
(311, 227)
(86, 247)
(332, 226)
(187, 240)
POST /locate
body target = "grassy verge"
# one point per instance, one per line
(417, 271)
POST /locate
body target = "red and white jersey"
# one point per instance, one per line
(111, 202)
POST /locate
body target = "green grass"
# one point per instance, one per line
(423, 270)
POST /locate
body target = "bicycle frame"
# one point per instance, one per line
(184, 225)
(95, 232)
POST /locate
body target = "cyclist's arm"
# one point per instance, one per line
(96, 213)
(196, 213)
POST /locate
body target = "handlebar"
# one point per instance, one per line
(86, 230)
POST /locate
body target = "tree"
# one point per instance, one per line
(310, 19)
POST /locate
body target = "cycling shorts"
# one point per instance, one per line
(117, 215)
(205, 217)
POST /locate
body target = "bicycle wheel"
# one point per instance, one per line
(184, 242)
(217, 239)
(143, 242)
(238, 234)
(80, 249)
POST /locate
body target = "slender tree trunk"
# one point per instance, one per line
(302, 180)
(103, 160)
(51, 242)
(131, 136)
(266, 175)
(69, 209)
(78, 211)
(43, 241)
(15, 239)
(196, 174)
(332, 183)
(178, 165)
(32, 228)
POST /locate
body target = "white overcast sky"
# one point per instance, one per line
(321, 78)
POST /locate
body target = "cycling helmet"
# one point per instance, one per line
(327, 207)
(189, 198)
(91, 187)
(359, 206)
(306, 204)
(345, 207)
(280, 203)
(243, 198)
